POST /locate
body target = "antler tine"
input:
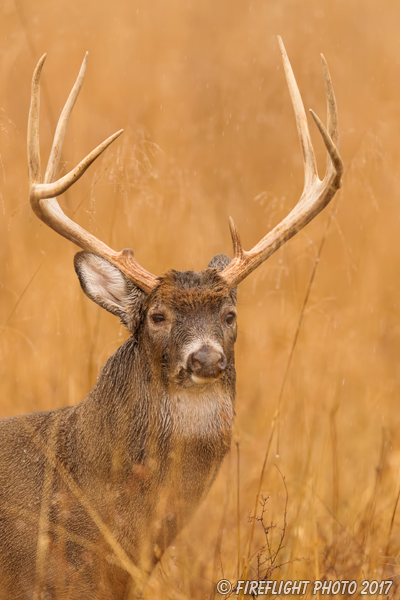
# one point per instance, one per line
(316, 194)
(33, 126)
(43, 195)
(59, 135)
(42, 191)
(330, 104)
(333, 152)
(310, 164)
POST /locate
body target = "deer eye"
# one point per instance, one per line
(230, 318)
(158, 318)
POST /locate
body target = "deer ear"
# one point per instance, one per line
(106, 285)
(220, 261)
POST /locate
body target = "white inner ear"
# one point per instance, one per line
(104, 282)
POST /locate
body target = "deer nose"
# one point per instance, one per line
(207, 362)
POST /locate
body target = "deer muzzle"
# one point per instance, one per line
(206, 363)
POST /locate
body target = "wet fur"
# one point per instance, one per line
(142, 450)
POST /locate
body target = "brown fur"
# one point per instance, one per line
(92, 495)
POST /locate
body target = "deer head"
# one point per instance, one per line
(187, 322)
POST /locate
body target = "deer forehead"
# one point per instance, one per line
(188, 292)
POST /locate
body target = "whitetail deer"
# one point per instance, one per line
(91, 495)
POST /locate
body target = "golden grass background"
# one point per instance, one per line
(210, 131)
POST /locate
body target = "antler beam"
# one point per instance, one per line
(316, 194)
(43, 194)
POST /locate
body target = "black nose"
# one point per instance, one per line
(207, 362)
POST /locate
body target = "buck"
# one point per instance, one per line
(92, 495)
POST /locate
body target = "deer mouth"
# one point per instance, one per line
(203, 380)
(187, 379)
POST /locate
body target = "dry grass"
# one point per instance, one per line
(200, 91)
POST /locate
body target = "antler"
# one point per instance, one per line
(42, 195)
(316, 194)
